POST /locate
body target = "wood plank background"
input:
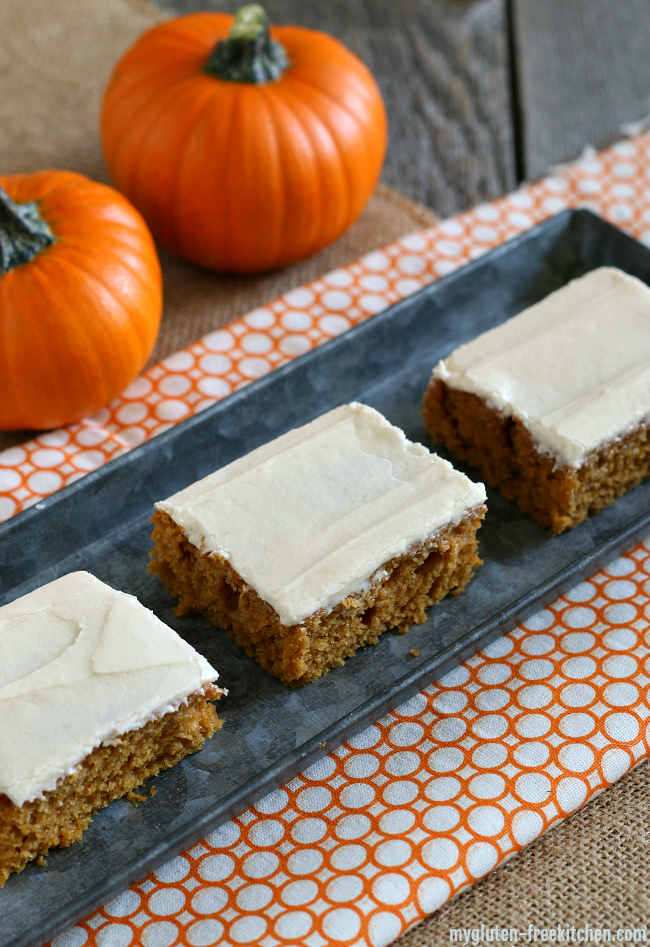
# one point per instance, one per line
(484, 93)
(442, 67)
(584, 70)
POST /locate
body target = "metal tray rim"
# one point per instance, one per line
(24, 517)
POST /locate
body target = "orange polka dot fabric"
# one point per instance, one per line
(387, 828)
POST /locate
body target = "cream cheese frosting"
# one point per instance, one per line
(311, 517)
(82, 664)
(574, 368)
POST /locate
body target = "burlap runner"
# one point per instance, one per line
(593, 868)
(590, 870)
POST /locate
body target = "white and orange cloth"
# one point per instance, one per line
(387, 828)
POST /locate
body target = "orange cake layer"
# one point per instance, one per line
(553, 405)
(501, 448)
(96, 695)
(108, 772)
(410, 583)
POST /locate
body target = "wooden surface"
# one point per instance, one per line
(442, 68)
(583, 69)
(460, 132)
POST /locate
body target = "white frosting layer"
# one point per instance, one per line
(574, 368)
(80, 665)
(309, 518)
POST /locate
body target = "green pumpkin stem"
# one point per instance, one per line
(23, 233)
(248, 54)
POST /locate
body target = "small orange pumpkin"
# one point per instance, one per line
(243, 149)
(80, 298)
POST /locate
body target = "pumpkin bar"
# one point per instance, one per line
(553, 406)
(96, 695)
(316, 543)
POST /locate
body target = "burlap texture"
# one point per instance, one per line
(593, 868)
(590, 870)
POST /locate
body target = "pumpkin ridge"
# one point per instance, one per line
(298, 108)
(114, 150)
(82, 227)
(166, 42)
(298, 80)
(76, 230)
(89, 244)
(342, 157)
(12, 379)
(229, 186)
(231, 172)
(175, 199)
(131, 222)
(281, 227)
(96, 382)
(136, 131)
(132, 129)
(316, 52)
(37, 186)
(364, 105)
(128, 313)
(181, 98)
(140, 278)
(363, 126)
(153, 82)
(10, 371)
(38, 350)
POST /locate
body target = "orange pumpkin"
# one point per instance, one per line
(80, 297)
(243, 150)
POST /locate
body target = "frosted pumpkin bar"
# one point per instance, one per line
(316, 543)
(553, 405)
(96, 695)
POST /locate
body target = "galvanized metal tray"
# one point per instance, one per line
(101, 523)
